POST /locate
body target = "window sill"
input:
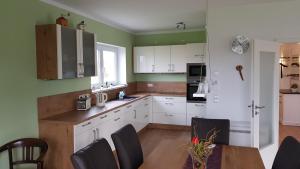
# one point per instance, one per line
(109, 88)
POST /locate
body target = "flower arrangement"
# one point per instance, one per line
(201, 149)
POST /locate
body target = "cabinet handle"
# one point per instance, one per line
(97, 130)
(146, 116)
(116, 111)
(103, 117)
(146, 104)
(146, 98)
(169, 98)
(171, 104)
(86, 124)
(153, 68)
(117, 119)
(129, 106)
(199, 105)
(94, 132)
(197, 55)
(134, 114)
(170, 115)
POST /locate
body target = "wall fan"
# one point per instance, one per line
(240, 44)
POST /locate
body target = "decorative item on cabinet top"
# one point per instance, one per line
(64, 53)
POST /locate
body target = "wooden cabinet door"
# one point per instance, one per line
(89, 53)
(196, 53)
(178, 58)
(144, 59)
(162, 59)
(68, 53)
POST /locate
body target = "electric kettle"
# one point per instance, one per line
(101, 98)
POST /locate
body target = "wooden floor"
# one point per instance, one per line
(151, 138)
(289, 131)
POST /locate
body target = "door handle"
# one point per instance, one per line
(259, 107)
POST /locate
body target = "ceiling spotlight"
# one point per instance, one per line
(180, 26)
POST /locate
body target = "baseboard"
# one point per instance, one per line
(168, 127)
(288, 123)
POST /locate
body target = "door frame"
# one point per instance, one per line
(267, 46)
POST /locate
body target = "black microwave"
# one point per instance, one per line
(196, 70)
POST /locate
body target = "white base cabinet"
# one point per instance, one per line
(169, 110)
(195, 110)
(157, 109)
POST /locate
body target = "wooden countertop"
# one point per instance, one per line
(76, 116)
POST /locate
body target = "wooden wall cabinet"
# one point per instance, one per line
(64, 53)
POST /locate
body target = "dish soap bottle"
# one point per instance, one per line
(121, 95)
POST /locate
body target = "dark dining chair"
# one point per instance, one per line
(201, 127)
(288, 155)
(97, 155)
(128, 147)
(28, 148)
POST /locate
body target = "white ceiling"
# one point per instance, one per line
(140, 16)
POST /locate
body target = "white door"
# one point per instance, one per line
(265, 95)
(144, 59)
(178, 58)
(162, 59)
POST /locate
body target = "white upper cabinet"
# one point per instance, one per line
(144, 59)
(178, 58)
(168, 59)
(162, 59)
(196, 52)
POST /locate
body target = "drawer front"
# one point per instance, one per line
(190, 116)
(103, 118)
(164, 118)
(169, 99)
(170, 108)
(196, 108)
(84, 126)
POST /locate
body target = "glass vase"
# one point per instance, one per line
(198, 164)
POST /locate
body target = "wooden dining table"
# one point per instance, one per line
(232, 157)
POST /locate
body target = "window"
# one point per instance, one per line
(111, 67)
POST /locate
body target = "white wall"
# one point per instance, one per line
(266, 21)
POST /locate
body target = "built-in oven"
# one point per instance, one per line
(191, 89)
(196, 72)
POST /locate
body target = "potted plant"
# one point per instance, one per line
(294, 88)
(200, 149)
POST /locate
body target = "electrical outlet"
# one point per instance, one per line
(150, 85)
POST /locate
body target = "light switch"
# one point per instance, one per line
(216, 99)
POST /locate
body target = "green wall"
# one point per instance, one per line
(19, 87)
(167, 39)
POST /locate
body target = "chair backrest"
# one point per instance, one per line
(27, 146)
(128, 147)
(97, 155)
(202, 127)
(288, 155)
